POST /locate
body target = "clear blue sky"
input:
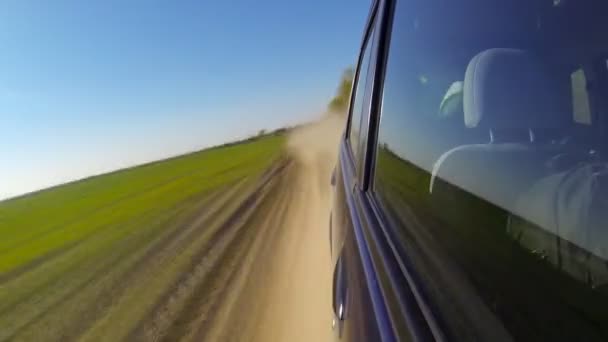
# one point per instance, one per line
(91, 86)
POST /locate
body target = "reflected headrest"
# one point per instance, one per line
(510, 88)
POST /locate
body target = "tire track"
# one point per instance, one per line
(59, 278)
(124, 309)
(46, 304)
(110, 265)
(165, 249)
(115, 276)
(243, 290)
(172, 314)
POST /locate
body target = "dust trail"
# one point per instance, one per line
(295, 304)
(300, 309)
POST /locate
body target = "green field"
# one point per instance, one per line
(80, 260)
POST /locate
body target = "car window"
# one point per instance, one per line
(490, 188)
(358, 109)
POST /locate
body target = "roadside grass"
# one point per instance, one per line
(70, 253)
(35, 225)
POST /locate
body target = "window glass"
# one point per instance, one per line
(359, 97)
(489, 188)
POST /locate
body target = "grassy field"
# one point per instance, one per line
(94, 257)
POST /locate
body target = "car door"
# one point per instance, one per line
(354, 319)
(492, 206)
(371, 302)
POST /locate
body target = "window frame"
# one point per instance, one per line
(383, 39)
(376, 223)
(370, 37)
(382, 221)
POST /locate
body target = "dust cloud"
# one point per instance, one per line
(288, 297)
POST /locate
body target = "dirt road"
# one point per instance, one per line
(248, 262)
(285, 290)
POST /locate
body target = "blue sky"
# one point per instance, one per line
(91, 86)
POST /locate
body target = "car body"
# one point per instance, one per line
(471, 189)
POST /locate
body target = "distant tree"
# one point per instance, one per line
(339, 103)
(281, 130)
(261, 132)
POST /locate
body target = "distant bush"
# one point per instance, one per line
(339, 103)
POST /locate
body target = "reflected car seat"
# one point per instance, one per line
(508, 93)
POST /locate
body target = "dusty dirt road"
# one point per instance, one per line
(299, 301)
(284, 293)
(249, 262)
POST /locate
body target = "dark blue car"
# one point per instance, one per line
(471, 192)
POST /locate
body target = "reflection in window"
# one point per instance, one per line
(495, 192)
(580, 98)
(357, 110)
